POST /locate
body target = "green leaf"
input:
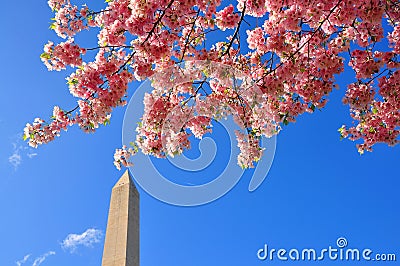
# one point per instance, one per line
(52, 26)
(72, 81)
(45, 55)
(24, 137)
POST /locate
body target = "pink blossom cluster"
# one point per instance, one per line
(364, 64)
(64, 54)
(69, 19)
(250, 150)
(40, 132)
(394, 39)
(255, 8)
(255, 38)
(226, 18)
(155, 137)
(288, 60)
(359, 96)
(121, 157)
(56, 4)
(380, 121)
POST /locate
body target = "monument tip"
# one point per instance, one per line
(124, 179)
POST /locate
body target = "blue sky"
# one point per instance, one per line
(54, 199)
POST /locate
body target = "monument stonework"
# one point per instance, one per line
(121, 246)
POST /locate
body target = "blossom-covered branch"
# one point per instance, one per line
(286, 52)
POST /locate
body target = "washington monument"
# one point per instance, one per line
(121, 246)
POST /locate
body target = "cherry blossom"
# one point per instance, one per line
(262, 62)
(226, 19)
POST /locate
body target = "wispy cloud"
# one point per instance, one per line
(88, 238)
(20, 149)
(41, 259)
(31, 155)
(15, 159)
(22, 261)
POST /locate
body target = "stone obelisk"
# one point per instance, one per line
(121, 246)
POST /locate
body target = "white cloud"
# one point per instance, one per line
(71, 242)
(22, 261)
(41, 259)
(20, 149)
(31, 155)
(15, 159)
(88, 238)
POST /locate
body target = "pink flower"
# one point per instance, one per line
(226, 18)
(286, 66)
